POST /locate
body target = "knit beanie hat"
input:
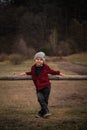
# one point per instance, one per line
(40, 55)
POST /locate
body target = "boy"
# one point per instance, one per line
(39, 72)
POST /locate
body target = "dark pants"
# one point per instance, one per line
(43, 96)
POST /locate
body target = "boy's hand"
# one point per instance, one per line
(22, 74)
(61, 74)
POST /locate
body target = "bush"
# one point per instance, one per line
(3, 57)
(66, 48)
(16, 59)
(30, 52)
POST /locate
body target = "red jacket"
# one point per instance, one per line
(42, 80)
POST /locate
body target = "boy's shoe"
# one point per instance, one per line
(38, 116)
(47, 115)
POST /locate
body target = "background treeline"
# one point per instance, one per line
(56, 27)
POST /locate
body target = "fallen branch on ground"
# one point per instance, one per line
(51, 77)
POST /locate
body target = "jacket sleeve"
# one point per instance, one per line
(53, 72)
(28, 73)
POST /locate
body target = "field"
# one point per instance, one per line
(67, 102)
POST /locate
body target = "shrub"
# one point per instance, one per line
(16, 59)
(3, 57)
(66, 48)
(30, 52)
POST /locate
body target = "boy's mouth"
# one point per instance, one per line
(39, 64)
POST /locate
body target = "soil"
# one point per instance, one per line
(79, 69)
(19, 105)
(21, 93)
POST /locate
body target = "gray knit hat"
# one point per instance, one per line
(40, 55)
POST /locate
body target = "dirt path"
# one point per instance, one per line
(81, 70)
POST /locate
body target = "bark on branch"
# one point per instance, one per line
(51, 77)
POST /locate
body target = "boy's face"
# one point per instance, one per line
(39, 61)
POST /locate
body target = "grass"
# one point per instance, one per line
(18, 106)
(20, 120)
(18, 102)
(80, 59)
(7, 68)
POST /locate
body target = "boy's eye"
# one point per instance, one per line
(39, 59)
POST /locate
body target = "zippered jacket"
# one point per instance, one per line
(42, 80)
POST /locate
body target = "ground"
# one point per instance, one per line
(79, 69)
(67, 102)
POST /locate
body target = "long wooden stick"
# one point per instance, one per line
(51, 77)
